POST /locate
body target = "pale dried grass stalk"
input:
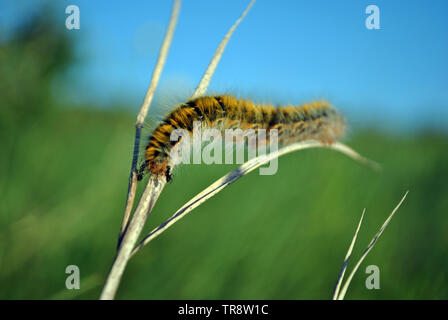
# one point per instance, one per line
(241, 171)
(131, 230)
(163, 53)
(340, 295)
(347, 258)
(132, 188)
(203, 84)
(147, 202)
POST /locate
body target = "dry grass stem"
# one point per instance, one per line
(129, 203)
(238, 173)
(347, 258)
(136, 224)
(341, 294)
(203, 84)
(131, 228)
(163, 53)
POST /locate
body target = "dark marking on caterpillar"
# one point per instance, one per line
(313, 121)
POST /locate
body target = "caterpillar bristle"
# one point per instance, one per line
(317, 120)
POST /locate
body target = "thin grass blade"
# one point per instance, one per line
(238, 173)
(369, 247)
(347, 258)
(163, 53)
(208, 74)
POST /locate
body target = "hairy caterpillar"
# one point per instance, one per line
(315, 121)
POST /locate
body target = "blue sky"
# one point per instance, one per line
(283, 52)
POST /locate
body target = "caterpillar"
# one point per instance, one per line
(314, 121)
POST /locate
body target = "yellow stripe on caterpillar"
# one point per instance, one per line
(313, 121)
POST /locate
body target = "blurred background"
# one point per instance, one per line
(68, 103)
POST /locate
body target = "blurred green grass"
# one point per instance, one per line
(64, 178)
(284, 236)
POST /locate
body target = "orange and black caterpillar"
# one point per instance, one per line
(313, 121)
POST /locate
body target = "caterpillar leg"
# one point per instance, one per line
(328, 141)
(141, 171)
